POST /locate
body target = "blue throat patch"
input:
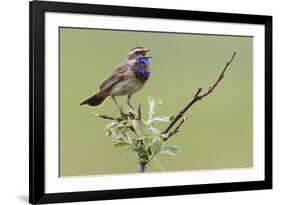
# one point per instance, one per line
(141, 67)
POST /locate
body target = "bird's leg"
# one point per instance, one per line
(128, 101)
(119, 108)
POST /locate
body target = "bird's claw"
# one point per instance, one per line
(123, 115)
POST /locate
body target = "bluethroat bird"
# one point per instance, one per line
(126, 79)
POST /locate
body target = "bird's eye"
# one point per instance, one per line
(137, 52)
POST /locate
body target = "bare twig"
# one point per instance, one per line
(198, 97)
(105, 116)
(212, 88)
(174, 131)
(180, 113)
(139, 111)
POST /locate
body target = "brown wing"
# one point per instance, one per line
(116, 76)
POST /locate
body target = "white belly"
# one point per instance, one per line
(125, 87)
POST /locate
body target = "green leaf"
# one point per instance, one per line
(126, 137)
(170, 149)
(152, 103)
(155, 147)
(110, 128)
(155, 131)
(138, 126)
(147, 141)
(117, 130)
(160, 118)
(121, 144)
(141, 128)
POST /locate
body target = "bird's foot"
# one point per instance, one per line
(122, 114)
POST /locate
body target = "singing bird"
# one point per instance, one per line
(126, 79)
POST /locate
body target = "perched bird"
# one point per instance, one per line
(126, 79)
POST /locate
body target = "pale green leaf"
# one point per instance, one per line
(155, 147)
(147, 141)
(141, 128)
(170, 149)
(155, 131)
(152, 103)
(121, 144)
(160, 118)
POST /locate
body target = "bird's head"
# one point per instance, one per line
(137, 52)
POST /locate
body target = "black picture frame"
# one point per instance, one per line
(37, 194)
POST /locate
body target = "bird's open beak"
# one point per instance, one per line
(145, 51)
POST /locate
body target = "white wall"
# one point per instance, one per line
(14, 100)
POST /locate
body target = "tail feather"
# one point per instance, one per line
(94, 100)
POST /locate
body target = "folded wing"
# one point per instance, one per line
(116, 76)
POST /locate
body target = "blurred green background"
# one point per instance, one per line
(219, 131)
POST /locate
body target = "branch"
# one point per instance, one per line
(198, 97)
(105, 116)
(139, 111)
(141, 167)
(181, 113)
(176, 130)
(212, 88)
(123, 116)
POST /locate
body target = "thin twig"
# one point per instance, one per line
(176, 130)
(105, 116)
(198, 97)
(181, 113)
(139, 112)
(221, 76)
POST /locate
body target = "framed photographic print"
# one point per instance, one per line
(141, 102)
